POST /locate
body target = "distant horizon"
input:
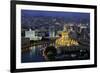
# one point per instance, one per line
(28, 18)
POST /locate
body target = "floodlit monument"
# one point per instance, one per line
(65, 39)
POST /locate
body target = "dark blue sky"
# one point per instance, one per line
(72, 15)
(68, 17)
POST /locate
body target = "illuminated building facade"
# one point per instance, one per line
(65, 40)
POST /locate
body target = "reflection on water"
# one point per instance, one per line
(34, 55)
(63, 53)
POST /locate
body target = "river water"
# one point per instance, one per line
(34, 55)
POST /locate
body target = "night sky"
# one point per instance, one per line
(56, 14)
(70, 17)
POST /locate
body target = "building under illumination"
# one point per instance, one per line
(65, 39)
(31, 34)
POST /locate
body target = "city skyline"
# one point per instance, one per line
(37, 19)
(54, 36)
